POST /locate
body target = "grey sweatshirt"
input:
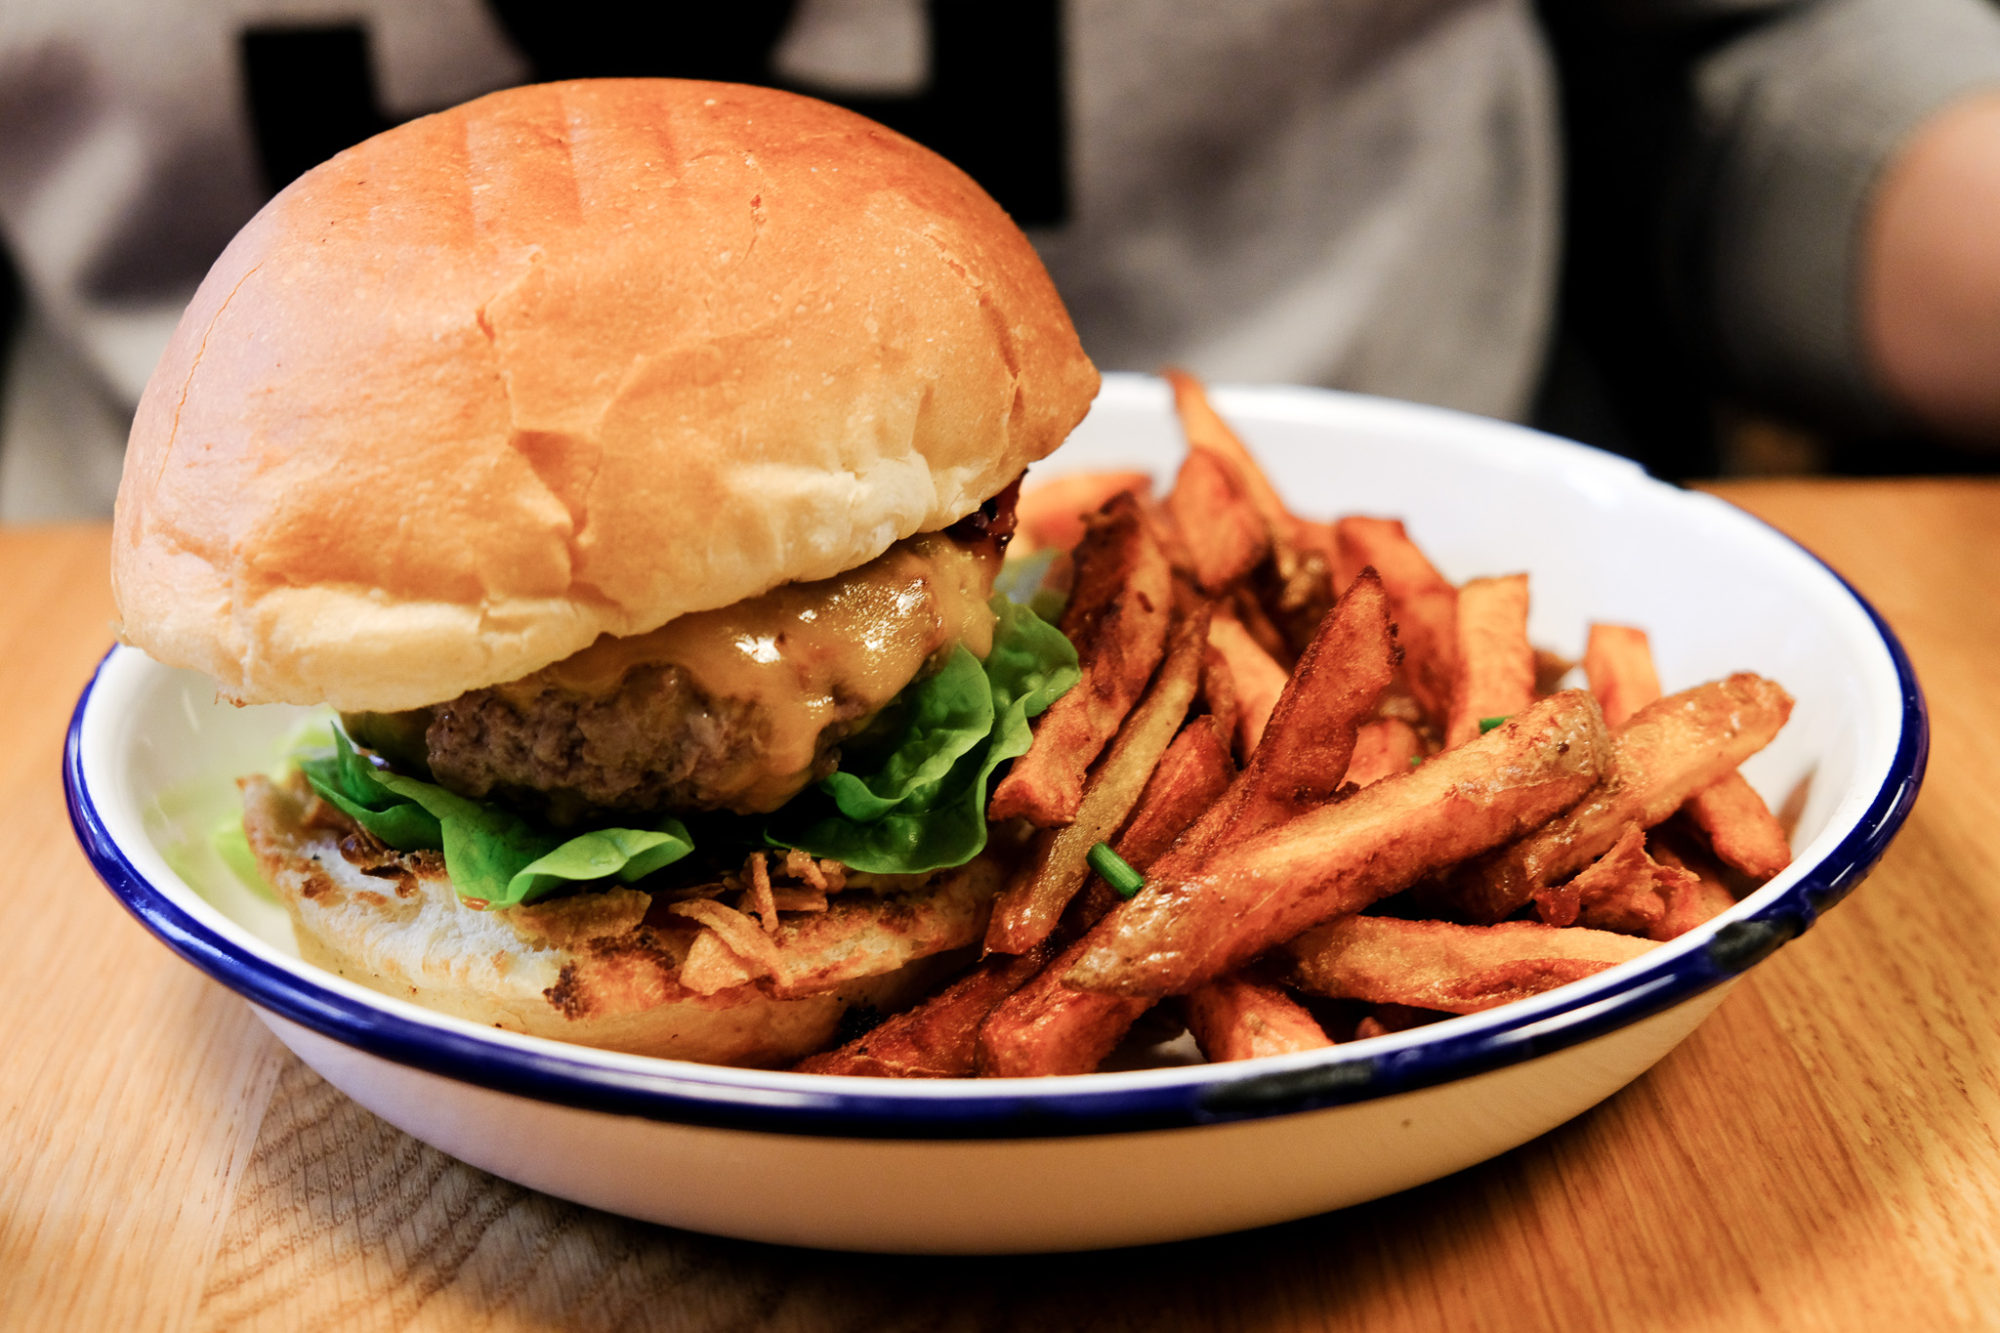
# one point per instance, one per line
(1357, 193)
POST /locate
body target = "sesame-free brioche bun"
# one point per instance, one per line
(569, 360)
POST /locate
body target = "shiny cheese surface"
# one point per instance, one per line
(807, 655)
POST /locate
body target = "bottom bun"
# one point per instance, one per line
(608, 967)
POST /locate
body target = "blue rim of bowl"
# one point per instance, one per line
(790, 1104)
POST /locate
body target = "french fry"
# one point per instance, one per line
(1206, 430)
(1117, 618)
(1217, 598)
(1300, 586)
(1710, 895)
(1623, 890)
(1423, 605)
(1028, 909)
(1495, 664)
(1438, 965)
(1618, 663)
(1383, 1019)
(1182, 930)
(1226, 537)
(1309, 740)
(1739, 825)
(1741, 828)
(1051, 1027)
(938, 1038)
(1051, 513)
(1383, 748)
(1218, 690)
(1193, 774)
(1550, 668)
(1047, 1027)
(1259, 680)
(1234, 1018)
(1316, 538)
(1257, 623)
(1314, 721)
(1667, 751)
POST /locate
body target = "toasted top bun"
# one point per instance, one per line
(569, 360)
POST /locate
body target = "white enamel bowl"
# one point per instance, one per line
(1116, 1158)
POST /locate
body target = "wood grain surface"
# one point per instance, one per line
(1824, 1153)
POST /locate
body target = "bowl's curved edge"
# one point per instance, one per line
(797, 1104)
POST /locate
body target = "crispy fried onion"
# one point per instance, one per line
(732, 950)
(737, 945)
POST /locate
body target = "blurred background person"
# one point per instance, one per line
(1657, 225)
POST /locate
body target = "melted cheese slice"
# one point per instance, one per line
(807, 655)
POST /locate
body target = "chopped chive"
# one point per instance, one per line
(1487, 724)
(1416, 759)
(1117, 873)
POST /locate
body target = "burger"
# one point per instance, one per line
(627, 464)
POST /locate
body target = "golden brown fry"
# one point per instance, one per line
(1298, 586)
(1206, 430)
(1666, 752)
(1183, 929)
(1458, 969)
(1225, 535)
(1386, 1018)
(1258, 679)
(1741, 828)
(938, 1038)
(1550, 668)
(1033, 901)
(1051, 1027)
(1423, 605)
(1618, 662)
(1623, 890)
(1051, 513)
(1257, 623)
(1218, 691)
(1495, 667)
(1707, 898)
(1117, 618)
(1047, 1027)
(1383, 748)
(1193, 774)
(1310, 740)
(1261, 627)
(1317, 537)
(1233, 1018)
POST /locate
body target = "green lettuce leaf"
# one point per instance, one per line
(493, 855)
(919, 806)
(924, 807)
(348, 782)
(232, 847)
(949, 711)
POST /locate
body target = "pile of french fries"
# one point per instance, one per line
(1309, 791)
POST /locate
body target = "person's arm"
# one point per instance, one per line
(1852, 201)
(1930, 278)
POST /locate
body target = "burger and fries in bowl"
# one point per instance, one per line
(705, 764)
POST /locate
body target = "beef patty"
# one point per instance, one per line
(733, 709)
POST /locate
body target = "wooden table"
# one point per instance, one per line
(1824, 1153)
